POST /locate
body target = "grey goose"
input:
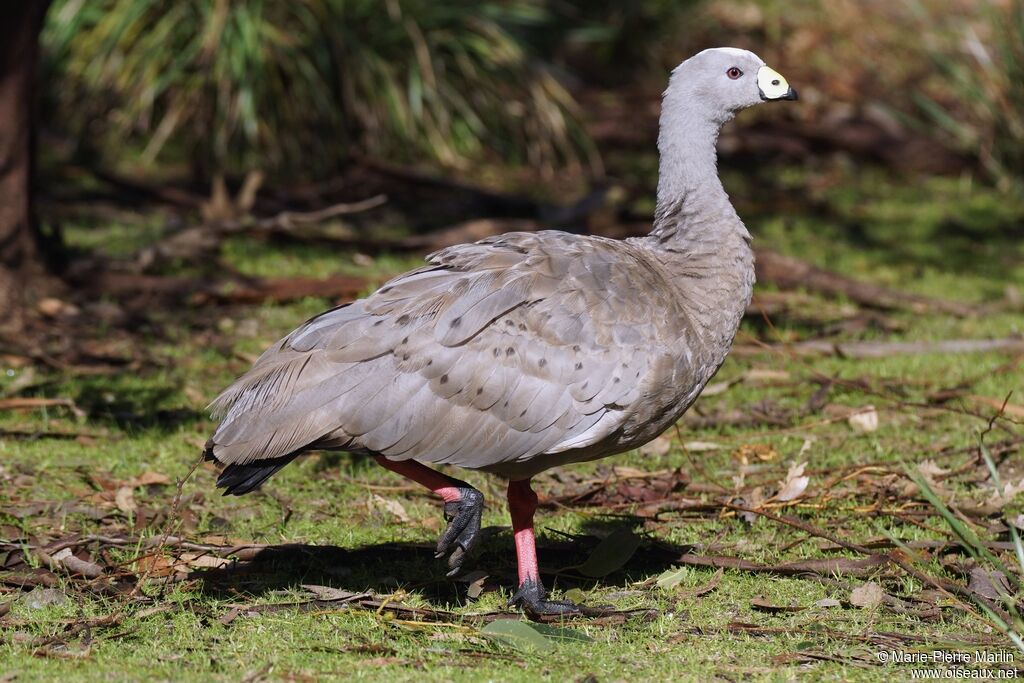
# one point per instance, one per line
(525, 351)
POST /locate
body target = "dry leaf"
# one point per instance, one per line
(864, 420)
(155, 565)
(765, 375)
(762, 452)
(51, 307)
(330, 593)
(1007, 493)
(149, 479)
(392, 507)
(867, 595)
(626, 472)
(124, 499)
(764, 605)
(795, 484)
(660, 446)
(699, 446)
(476, 584)
(990, 584)
(203, 560)
(930, 471)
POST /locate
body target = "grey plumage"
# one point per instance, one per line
(520, 352)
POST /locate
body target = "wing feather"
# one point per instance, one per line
(497, 352)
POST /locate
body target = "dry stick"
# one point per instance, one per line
(286, 220)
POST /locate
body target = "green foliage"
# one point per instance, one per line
(608, 42)
(305, 84)
(983, 72)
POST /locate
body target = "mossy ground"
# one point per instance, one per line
(938, 239)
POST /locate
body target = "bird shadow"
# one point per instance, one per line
(386, 567)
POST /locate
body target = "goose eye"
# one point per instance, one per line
(733, 73)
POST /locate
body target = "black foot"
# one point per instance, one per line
(532, 597)
(463, 516)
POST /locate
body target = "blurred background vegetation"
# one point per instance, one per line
(303, 88)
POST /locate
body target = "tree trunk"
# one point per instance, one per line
(23, 271)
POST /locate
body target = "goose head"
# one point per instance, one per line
(718, 82)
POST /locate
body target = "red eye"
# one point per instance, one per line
(733, 73)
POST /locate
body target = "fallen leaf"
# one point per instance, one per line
(40, 597)
(476, 580)
(765, 375)
(749, 452)
(76, 565)
(753, 500)
(989, 584)
(611, 554)
(660, 446)
(931, 471)
(672, 577)
(864, 420)
(518, 634)
(699, 446)
(330, 593)
(828, 602)
(230, 615)
(124, 499)
(155, 565)
(765, 605)
(867, 595)
(149, 479)
(1007, 493)
(203, 561)
(52, 308)
(475, 589)
(795, 483)
(624, 472)
(392, 507)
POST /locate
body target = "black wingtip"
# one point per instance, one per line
(239, 479)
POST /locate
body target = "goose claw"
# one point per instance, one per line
(463, 532)
(532, 597)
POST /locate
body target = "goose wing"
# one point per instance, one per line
(495, 352)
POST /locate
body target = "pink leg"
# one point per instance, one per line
(463, 508)
(446, 487)
(522, 504)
